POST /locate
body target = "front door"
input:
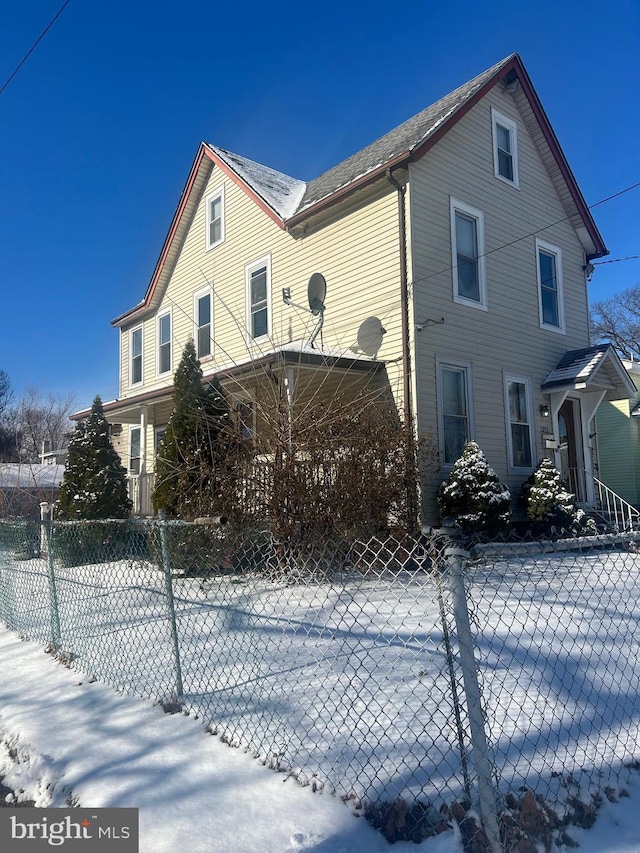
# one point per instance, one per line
(568, 450)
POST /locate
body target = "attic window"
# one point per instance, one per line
(215, 217)
(505, 148)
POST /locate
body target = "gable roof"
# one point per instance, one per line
(289, 201)
(592, 367)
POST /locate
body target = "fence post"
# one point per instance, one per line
(456, 557)
(56, 637)
(45, 513)
(166, 564)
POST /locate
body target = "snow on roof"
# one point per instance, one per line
(15, 475)
(281, 192)
(288, 196)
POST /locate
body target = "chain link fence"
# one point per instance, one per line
(416, 677)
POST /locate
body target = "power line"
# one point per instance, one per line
(533, 234)
(35, 44)
(616, 260)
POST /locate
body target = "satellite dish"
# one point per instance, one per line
(370, 336)
(316, 292)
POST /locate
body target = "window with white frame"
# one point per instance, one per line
(519, 421)
(246, 411)
(134, 449)
(550, 296)
(164, 343)
(159, 435)
(455, 421)
(215, 217)
(135, 350)
(258, 282)
(203, 325)
(505, 148)
(467, 243)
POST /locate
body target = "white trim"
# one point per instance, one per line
(248, 271)
(133, 429)
(550, 249)
(520, 380)
(456, 206)
(156, 443)
(467, 370)
(212, 196)
(139, 328)
(197, 296)
(167, 313)
(509, 125)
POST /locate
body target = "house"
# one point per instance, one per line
(618, 441)
(23, 486)
(446, 264)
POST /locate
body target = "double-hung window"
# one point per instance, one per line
(203, 331)
(246, 410)
(505, 148)
(519, 420)
(550, 296)
(135, 348)
(258, 283)
(467, 244)
(164, 343)
(455, 415)
(215, 218)
(134, 449)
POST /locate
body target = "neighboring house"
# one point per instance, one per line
(24, 486)
(618, 427)
(455, 251)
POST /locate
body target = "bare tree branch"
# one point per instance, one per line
(617, 320)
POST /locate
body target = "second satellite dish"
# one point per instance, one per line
(317, 292)
(370, 336)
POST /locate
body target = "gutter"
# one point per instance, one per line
(412, 508)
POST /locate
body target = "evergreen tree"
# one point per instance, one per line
(474, 496)
(551, 506)
(94, 485)
(189, 462)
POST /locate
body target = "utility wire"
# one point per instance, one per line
(616, 260)
(35, 44)
(533, 234)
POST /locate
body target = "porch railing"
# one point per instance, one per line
(613, 509)
(140, 489)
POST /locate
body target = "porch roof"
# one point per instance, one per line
(296, 353)
(593, 368)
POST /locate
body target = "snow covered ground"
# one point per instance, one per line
(345, 682)
(81, 739)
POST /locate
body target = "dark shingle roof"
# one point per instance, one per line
(403, 139)
(577, 364)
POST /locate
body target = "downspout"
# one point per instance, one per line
(406, 352)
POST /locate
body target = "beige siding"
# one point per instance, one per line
(358, 254)
(507, 337)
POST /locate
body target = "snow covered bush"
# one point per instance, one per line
(551, 507)
(94, 485)
(474, 496)
(200, 459)
(93, 488)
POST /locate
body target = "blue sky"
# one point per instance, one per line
(101, 125)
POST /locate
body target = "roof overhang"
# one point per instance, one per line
(267, 364)
(597, 368)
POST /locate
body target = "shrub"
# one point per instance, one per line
(552, 508)
(94, 485)
(474, 496)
